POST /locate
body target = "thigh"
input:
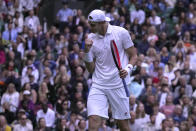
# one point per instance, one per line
(119, 103)
(97, 103)
(123, 125)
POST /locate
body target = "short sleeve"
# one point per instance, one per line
(126, 39)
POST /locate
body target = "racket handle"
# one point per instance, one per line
(125, 86)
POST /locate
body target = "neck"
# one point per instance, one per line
(103, 32)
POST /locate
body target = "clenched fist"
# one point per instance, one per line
(88, 45)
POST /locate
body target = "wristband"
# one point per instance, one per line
(129, 68)
(88, 57)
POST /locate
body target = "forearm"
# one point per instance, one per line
(132, 53)
(133, 59)
(90, 66)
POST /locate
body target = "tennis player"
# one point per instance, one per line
(107, 87)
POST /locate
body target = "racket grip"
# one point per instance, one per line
(125, 86)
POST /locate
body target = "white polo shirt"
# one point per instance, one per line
(106, 74)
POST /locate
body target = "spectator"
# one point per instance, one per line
(139, 14)
(63, 14)
(183, 89)
(3, 124)
(10, 34)
(72, 123)
(82, 125)
(42, 125)
(23, 125)
(178, 116)
(150, 126)
(168, 108)
(141, 116)
(159, 117)
(62, 125)
(47, 114)
(171, 125)
(154, 19)
(132, 103)
(133, 125)
(10, 99)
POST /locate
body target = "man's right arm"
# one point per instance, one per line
(90, 66)
(88, 56)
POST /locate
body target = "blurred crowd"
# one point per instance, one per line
(44, 83)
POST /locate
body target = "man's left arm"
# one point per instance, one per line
(132, 53)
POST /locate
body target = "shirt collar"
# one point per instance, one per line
(109, 29)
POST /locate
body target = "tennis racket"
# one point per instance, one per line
(117, 62)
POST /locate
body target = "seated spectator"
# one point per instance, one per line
(34, 72)
(47, 114)
(165, 124)
(186, 106)
(138, 13)
(179, 47)
(33, 93)
(32, 21)
(178, 116)
(152, 36)
(170, 74)
(149, 103)
(27, 105)
(183, 89)
(41, 126)
(10, 34)
(62, 125)
(23, 125)
(42, 98)
(10, 99)
(141, 116)
(150, 126)
(159, 116)
(73, 122)
(133, 125)
(135, 86)
(18, 117)
(193, 114)
(43, 89)
(184, 126)
(82, 126)
(81, 109)
(171, 125)
(164, 55)
(62, 15)
(169, 107)
(3, 124)
(187, 72)
(63, 110)
(154, 18)
(132, 103)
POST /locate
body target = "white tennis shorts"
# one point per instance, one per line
(99, 101)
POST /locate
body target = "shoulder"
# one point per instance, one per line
(118, 28)
(8, 128)
(51, 111)
(16, 94)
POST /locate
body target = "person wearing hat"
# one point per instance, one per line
(107, 87)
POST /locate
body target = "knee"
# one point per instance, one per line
(94, 122)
